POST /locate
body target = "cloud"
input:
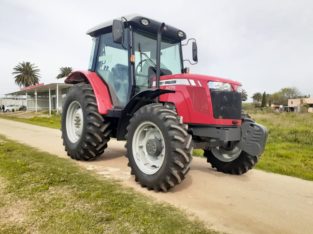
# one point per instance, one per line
(266, 45)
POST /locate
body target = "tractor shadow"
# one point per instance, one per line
(184, 185)
(203, 167)
(206, 168)
(111, 154)
(115, 150)
(200, 170)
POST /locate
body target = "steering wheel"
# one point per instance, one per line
(140, 64)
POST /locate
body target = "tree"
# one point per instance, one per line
(26, 74)
(64, 71)
(263, 104)
(244, 95)
(269, 99)
(257, 97)
(281, 97)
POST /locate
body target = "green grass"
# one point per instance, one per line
(289, 148)
(198, 152)
(51, 122)
(42, 193)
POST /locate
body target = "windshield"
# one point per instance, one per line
(145, 59)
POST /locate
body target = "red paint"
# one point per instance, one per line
(99, 87)
(32, 86)
(193, 103)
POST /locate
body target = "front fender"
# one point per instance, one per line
(143, 98)
(100, 89)
(183, 105)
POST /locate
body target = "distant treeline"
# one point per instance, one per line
(278, 98)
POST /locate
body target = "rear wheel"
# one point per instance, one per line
(230, 160)
(85, 132)
(158, 147)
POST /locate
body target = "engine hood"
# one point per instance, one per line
(199, 77)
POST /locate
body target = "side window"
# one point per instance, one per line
(93, 46)
(112, 66)
(145, 52)
(170, 57)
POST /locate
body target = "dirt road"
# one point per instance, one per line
(257, 202)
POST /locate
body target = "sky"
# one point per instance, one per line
(266, 45)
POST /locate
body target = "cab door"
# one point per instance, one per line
(112, 65)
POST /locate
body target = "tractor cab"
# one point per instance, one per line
(124, 54)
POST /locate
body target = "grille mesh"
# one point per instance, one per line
(226, 104)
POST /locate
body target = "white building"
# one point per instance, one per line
(296, 104)
(39, 97)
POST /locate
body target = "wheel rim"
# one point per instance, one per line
(148, 148)
(226, 155)
(74, 121)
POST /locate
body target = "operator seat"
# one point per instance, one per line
(120, 82)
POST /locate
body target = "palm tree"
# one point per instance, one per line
(26, 74)
(64, 71)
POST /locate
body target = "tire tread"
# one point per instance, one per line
(180, 145)
(98, 129)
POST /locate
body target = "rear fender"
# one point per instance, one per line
(99, 87)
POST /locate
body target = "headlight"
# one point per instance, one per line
(180, 34)
(145, 22)
(219, 86)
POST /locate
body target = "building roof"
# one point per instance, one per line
(298, 101)
(39, 88)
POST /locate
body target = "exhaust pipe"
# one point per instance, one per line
(158, 54)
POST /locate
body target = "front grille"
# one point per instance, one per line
(226, 104)
(199, 99)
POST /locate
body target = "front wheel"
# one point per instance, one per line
(230, 160)
(158, 147)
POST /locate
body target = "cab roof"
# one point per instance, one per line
(136, 21)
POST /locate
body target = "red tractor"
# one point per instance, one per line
(136, 89)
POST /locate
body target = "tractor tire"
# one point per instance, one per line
(158, 147)
(85, 132)
(239, 165)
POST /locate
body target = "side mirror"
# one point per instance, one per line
(118, 31)
(194, 51)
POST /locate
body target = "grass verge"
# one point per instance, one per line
(41, 193)
(51, 122)
(289, 149)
